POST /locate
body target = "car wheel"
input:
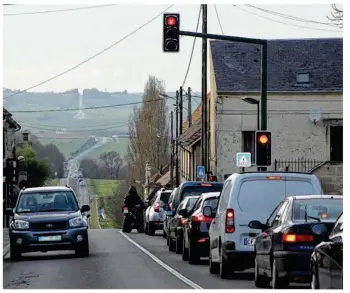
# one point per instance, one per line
(315, 284)
(164, 234)
(178, 249)
(83, 250)
(260, 280)
(193, 257)
(277, 282)
(214, 268)
(184, 251)
(146, 228)
(15, 254)
(226, 270)
(151, 230)
(167, 240)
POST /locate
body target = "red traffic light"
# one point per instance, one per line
(263, 139)
(171, 20)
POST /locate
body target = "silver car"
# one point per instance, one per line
(154, 213)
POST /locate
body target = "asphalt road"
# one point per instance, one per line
(114, 263)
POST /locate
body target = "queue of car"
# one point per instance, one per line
(278, 223)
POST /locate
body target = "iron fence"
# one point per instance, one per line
(298, 165)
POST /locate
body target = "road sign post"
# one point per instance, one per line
(200, 172)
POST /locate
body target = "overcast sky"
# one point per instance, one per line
(39, 46)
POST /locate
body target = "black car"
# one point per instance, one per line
(327, 259)
(196, 228)
(283, 249)
(46, 219)
(174, 239)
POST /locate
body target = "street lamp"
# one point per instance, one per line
(253, 101)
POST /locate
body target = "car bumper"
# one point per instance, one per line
(158, 225)
(240, 260)
(30, 240)
(201, 243)
(295, 265)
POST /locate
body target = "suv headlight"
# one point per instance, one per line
(21, 225)
(76, 222)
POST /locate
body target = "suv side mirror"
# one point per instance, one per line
(256, 225)
(85, 208)
(9, 212)
(183, 213)
(208, 212)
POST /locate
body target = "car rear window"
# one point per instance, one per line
(164, 197)
(261, 196)
(318, 209)
(198, 190)
(211, 202)
(298, 187)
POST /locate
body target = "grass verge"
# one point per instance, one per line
(94, 216)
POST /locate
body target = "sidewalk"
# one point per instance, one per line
(6, 241)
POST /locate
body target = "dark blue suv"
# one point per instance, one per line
(46, 219)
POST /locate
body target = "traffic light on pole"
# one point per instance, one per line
(263, 148)
(171, 28)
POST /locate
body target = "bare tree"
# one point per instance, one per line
(336, 16)
(112, 162)
(148, 131)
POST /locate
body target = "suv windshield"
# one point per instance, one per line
(34, 202)
(198, 190)
(317, 210)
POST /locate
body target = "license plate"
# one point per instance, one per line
(50, 238)
(126, 211)
(249, 241)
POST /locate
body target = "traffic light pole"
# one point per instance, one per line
(263, 44)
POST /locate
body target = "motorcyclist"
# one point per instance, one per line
(135, 203)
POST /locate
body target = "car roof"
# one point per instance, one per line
(167, 190)
(317, 196)
(191, 197)
(201, 183)
(207, 195)
(46, 188)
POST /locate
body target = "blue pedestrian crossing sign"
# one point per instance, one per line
(243, 159)
(200, 172)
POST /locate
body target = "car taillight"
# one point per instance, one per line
(156, 207)
(125, 207)
(230, 221)
(182, 221)
(293, 238)
(201, 218)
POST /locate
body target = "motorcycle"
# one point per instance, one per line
(131, 221)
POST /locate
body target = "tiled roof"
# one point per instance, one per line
(237, 65)
(192, 134)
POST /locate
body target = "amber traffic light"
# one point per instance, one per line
(171, 28)
(263, 148)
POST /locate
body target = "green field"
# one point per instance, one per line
(120, 147)
(102, 187)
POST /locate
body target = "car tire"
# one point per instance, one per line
(151, 230)
(15, 254)
(260, 281)
(126, 225)
(140, 229)
(193, 256)
(315, 283)
(172, 245)
(178, 248)
(184, 251)
(83, 250)
(167, 240)
(214, 267)
(277, 282)
(164, 234)
(225, 268)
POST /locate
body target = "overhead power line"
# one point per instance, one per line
(217, 16)
(291, 17)
(285, 23)
(58, 10)
(194, 44)
(87, 108)
(92, 57)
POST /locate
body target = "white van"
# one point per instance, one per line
(245, 197)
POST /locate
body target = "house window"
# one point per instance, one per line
(249, 143)
(303, 78)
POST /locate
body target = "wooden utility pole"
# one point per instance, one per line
(189, 106)
(172, 150)
(181, 110)
(204, 90)
(177, 141)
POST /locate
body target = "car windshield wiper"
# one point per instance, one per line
(309, 217)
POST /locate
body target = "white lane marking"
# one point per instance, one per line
(162, 264)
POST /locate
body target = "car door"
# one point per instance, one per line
(214, 230)
(268, 234)
(174, 220)
(336, 255)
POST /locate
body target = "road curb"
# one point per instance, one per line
(6, 250)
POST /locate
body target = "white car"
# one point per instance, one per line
(246, 197)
